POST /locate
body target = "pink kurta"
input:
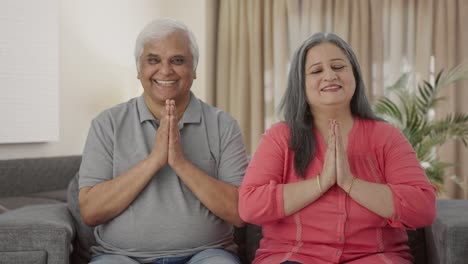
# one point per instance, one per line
(334, 228)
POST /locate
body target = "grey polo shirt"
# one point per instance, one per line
(166, 219)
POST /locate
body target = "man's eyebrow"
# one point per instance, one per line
(152, 55)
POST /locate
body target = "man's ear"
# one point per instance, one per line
(194, 75)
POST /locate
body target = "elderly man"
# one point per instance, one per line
(160, 172)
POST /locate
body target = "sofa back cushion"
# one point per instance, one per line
(34, 175)
(85, 234)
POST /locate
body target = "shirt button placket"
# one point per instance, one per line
(341, 239)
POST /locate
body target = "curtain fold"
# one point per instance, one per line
(449, 40)
(462, 88)
(256, 38)
(252, 56)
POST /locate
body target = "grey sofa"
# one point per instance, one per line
(38, 225)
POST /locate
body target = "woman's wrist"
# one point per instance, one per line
(345, 184)
(326, 183)
(319, 185)
(348, 190)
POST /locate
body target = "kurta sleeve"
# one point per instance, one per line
(261, 191)
(413, 194)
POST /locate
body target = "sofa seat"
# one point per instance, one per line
(36, 234)
(15, 202)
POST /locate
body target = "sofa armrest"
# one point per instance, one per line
(447, 238)
(39, 231)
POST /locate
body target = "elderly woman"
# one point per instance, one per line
(333, 183)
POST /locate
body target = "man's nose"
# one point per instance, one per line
(166, 68)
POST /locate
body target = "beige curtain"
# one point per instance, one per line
(251, 62)
(449, 39)
(257, 37)
(358, 22)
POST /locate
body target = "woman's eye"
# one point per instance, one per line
(338, 67)
(315, 71)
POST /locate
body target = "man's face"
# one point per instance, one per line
(166, 69)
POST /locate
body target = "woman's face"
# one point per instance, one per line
(329, 80)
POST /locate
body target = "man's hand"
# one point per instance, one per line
(175, 151)
(159, 153)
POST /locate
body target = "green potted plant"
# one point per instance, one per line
(411, 109)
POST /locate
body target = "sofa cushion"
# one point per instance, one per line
(15, 202)
(33, 175)
(59, 195)
(2, 209)
(253, 237)
(30, 257)
(448, 236)
(85, 234)
(47, 227)
(54, 214)
(417, 244)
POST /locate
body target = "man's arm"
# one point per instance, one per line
(104, 201)
(219, 197)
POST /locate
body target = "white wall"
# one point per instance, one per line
(97, 68)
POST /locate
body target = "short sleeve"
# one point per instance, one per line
(97, 161)
(233, 157)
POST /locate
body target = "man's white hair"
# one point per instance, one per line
(160, 28)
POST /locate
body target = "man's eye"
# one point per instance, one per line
(153, 60)
(178, 61)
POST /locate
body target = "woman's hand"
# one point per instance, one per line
(343, 173)
(328, 176)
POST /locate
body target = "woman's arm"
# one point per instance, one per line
(265, 194)
(407, 199)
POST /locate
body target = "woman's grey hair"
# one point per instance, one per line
(160, 28)
(296, 110)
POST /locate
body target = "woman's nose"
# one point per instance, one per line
(330, 75)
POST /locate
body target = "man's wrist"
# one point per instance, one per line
(180, 165)
(151, 162)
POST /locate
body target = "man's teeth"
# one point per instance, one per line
(165, 83)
